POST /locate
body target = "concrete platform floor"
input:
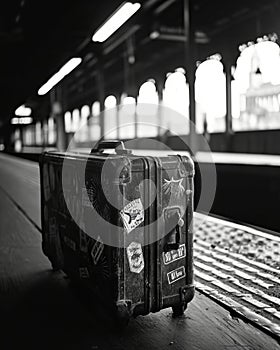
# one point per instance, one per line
(40, 310)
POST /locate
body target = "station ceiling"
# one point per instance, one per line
(39, 36)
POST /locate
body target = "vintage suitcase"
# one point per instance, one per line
(121, 225)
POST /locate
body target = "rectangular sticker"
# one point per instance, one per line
(174, 255)
(69, 242)
(132, 215)
(97, 250)
(176, 275)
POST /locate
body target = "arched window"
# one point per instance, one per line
(45, 131)
(127, 118)
(147, 110)
(175, 96)
(110, 117)
(38, 133)
(84, 130)
(75, 120)
(148, 93)
(51, 131)
(76, 124)
(110, 102)
(210, 95)
(94, 122)
(17, 140)
(85, 113)
(28, 135)
(256, 87)
(68, 122)
(95, 109)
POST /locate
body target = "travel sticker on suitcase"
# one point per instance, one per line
(176, 275)
(173, 255)
(135, 257)
(174, 187)
(97, 250)
(132, 215)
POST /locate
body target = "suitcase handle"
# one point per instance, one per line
(111, 144)
(174, 222)
(174, 245)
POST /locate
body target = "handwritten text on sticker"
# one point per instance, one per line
(174, 255)
(176, 275)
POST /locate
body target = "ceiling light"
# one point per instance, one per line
(154, 35)
(22, 120)
(57, 77)
(23, 111)
(115, 21)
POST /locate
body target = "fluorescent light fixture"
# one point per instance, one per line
(115, 21)
(23, 111)
(154, 35)
(22, 120)
(57, 77)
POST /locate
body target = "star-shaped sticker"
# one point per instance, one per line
(173, 186)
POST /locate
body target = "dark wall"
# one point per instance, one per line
(246, 193)
(265, 142)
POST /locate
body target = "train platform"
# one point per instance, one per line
(235, 307)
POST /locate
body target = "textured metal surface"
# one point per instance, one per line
(239, 267)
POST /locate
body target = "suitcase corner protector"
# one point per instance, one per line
(187, 293)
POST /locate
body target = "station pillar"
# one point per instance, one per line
(118, 98)
(101, 94)
(57, 114)
(160, 87)
(228, 97)
(191, 68)
(229, 131)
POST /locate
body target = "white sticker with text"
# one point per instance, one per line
(173, 255)
(132, 215)
(176, 275)
(135, 257)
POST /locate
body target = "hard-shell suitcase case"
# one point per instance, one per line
(121, 225)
